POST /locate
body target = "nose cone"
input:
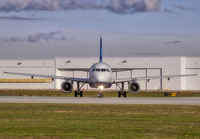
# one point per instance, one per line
(101, 78)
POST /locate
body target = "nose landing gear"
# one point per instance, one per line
(100, 94)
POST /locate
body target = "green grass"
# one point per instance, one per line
(98, 121)
(94, 93)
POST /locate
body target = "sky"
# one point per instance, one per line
(45, 29)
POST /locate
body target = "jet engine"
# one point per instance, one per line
(134, 87)
(67, 87)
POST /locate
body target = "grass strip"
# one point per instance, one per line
(97, 121)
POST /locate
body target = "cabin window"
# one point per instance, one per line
(103, 70)
(107, 70)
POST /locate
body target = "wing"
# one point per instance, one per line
(84, 80)
(73, 69)
(151, 78)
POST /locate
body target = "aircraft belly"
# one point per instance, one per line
(97, 84)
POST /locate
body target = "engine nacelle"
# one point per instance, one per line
(67, 87)
(134, 87)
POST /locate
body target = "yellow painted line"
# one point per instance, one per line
(25, 81)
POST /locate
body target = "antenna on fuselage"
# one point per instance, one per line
(100, 57)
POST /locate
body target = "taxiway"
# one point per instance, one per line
(105, 100)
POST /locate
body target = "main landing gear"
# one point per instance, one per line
(122, 92)
(78, 92)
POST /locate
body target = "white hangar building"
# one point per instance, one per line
(136, 67)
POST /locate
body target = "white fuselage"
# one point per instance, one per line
(100, 74)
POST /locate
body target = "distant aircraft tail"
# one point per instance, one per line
(100, 57)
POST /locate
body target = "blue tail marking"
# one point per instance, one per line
(100, 58)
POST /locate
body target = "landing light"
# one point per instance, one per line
(101, 87)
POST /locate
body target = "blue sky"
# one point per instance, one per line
(71, 28)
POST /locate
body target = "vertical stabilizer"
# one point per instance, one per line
(100, 57)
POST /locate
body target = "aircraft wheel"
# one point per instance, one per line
(81, 93)
(98, 95)
(124, 93)
(119, 94)
(75, 93)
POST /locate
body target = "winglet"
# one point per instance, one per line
(100, 57)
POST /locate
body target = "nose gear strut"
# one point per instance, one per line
(100, 94)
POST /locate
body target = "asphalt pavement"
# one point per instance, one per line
(105, 100)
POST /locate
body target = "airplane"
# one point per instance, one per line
(100, 76)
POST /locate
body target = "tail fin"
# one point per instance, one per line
(100, 57)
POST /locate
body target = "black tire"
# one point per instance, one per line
(98, 95)
(81, 93)
(101, 95)
(124, 93)
(119, 94)
(75, 93)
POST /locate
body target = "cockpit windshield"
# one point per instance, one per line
(100, 70)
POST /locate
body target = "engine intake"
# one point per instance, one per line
(134, 87)
(67, 87)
